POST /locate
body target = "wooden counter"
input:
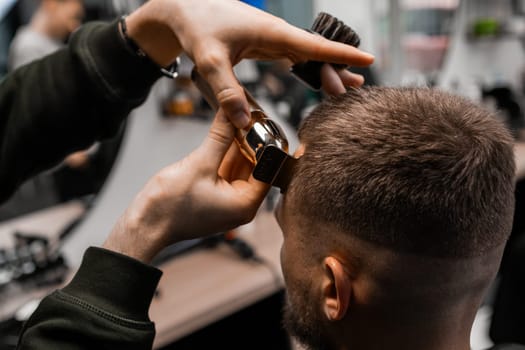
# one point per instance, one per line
(207, 285)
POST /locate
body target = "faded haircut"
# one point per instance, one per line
(416, 170)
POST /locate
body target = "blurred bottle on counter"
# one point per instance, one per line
(180, 96)
(179, 101)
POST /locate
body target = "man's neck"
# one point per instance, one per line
(452, 335)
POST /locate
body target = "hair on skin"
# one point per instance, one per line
(415, 170)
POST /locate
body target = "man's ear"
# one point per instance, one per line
(336, 289)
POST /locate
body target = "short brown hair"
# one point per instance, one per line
(413, 169)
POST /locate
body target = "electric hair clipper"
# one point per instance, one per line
(263, 142)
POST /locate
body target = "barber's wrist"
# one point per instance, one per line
(149, 29)
(136, 234)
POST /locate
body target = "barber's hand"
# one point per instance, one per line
(209, 191)
(217, 34)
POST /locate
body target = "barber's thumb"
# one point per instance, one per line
(229, 93)
(233, 101)
(218, 141)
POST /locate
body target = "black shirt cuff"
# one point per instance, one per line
(117, 71)
(116, 283)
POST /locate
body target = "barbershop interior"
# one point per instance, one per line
(225, 289)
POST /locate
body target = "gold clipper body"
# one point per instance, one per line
(263, 142)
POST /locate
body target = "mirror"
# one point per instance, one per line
(413, 37)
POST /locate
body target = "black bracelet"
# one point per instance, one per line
(170, 71)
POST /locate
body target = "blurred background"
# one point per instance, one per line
(473, 48)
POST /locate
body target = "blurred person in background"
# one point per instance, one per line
(48, 30)
(82, 172)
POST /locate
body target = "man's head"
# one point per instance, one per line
(61, 17)
(396, 218)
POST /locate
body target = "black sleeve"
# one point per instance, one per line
(66, 101)
(105, 306)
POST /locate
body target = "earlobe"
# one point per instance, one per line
(336, 289)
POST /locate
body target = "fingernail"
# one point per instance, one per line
(242, 119)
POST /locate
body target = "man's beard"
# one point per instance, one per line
(303, 321)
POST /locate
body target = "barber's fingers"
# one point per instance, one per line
(350, 79)
(216, 67)
(251, 193)
(219, 146)
(330, 81)
(228, 163)
(235, 196)
(216, 144)
(258, 188)
(302, 45)
(235, 166)
(335, 82)
(237, 170)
